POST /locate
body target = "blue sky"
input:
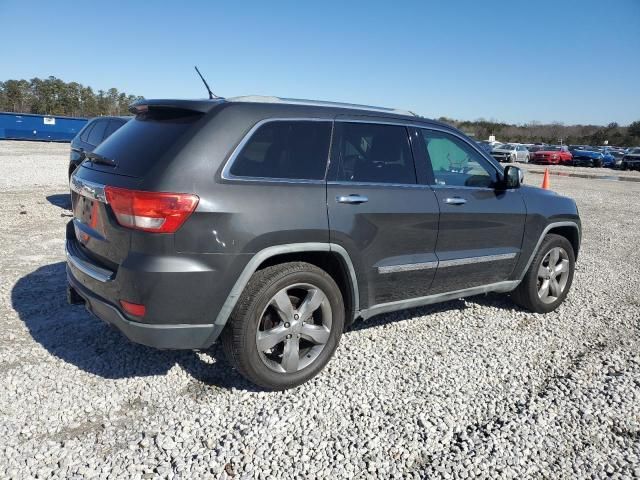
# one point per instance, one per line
(573, 61)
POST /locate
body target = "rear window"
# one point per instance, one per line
(285, 150)
(138, 144)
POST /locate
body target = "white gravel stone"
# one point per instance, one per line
(474, 388)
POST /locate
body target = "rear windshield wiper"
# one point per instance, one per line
(97, 158)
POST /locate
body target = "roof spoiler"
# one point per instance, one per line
(201, 106)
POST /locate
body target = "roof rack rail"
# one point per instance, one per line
(318, 103)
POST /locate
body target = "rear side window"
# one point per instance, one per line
(84, 136)
(375, 153)
(285, 150)
(113, 126)
(97, 132)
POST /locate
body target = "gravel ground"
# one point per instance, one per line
(469, 388)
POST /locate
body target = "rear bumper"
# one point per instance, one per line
(153, 335)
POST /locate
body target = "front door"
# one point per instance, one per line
(481, 227)
(380, 212)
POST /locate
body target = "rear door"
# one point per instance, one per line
(380, 212)
(481, 227)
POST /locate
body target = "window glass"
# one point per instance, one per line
(285, 149)
(84, 136)
(375, 153)
(113, 126)
(97, 132)
(455, 162)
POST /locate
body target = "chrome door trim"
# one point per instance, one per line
(456, 262)
(506, 286)
(407, 267)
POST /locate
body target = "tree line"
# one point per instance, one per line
(52, 96)
(552, 133)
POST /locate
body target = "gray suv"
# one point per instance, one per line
(275, 223)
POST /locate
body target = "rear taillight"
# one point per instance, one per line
(159, 212)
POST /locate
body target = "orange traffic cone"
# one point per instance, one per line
(545, 179)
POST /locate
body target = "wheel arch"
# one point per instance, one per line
(332, 258)
(571, 233)
(568, 229)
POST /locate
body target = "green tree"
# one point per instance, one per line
(53, 96)
(634, 129)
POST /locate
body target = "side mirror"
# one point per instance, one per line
(513, 177)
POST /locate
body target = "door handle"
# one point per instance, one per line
(352, 199)
(455, 201)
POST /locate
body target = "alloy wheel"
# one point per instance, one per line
(294, 328)
(553, 275)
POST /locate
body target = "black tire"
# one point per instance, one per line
(239, 336)
(526, 294)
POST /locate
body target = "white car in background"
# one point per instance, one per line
(511, 152)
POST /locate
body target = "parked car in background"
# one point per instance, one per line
(617, 158)
(485, 145)
(533, 149)
(586, 156)
(96, 131)
(608, 159)
(553, 155)
(274, 223)
(511, 152)
(631, 159)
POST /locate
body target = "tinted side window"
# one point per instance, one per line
(97, 132)
(294, 149)
(376, 153)
(84, 136)
(113, 126)
(455, 162)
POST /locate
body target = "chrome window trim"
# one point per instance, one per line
(87, 189)
(378, 184)
(409, 123)
(226, 171)
(226, 174)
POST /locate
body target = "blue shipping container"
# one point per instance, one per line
(27, 126)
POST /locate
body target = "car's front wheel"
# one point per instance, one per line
(286, 325)
(549, 277)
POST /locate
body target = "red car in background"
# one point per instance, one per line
(553, 155)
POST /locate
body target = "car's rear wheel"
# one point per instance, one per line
(549, 277)
(286, 326)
